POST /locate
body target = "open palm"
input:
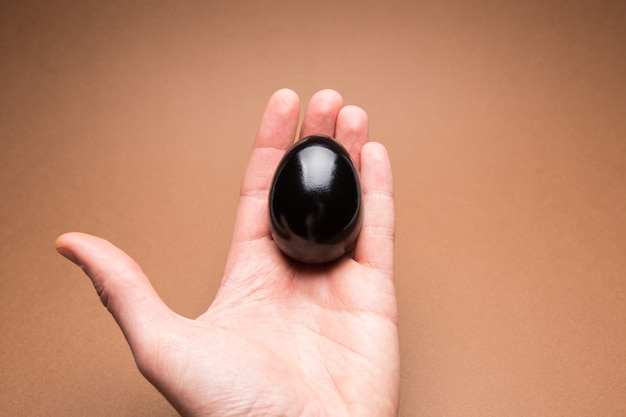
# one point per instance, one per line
(281, 338)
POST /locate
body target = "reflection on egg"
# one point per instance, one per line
(315, 201)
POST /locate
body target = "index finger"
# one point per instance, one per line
(276, 133)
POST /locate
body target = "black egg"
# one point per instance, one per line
(315, 201)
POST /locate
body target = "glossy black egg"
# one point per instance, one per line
(315, 201)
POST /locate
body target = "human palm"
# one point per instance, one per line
(281, 338)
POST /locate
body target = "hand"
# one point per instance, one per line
(280, 339)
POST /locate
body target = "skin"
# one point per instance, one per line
(280, 338)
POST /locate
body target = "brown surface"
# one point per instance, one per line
(507, 131)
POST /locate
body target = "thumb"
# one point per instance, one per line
(122, 286)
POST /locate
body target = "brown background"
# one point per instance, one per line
(505, 122)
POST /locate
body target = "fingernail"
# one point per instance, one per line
(69, 255)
